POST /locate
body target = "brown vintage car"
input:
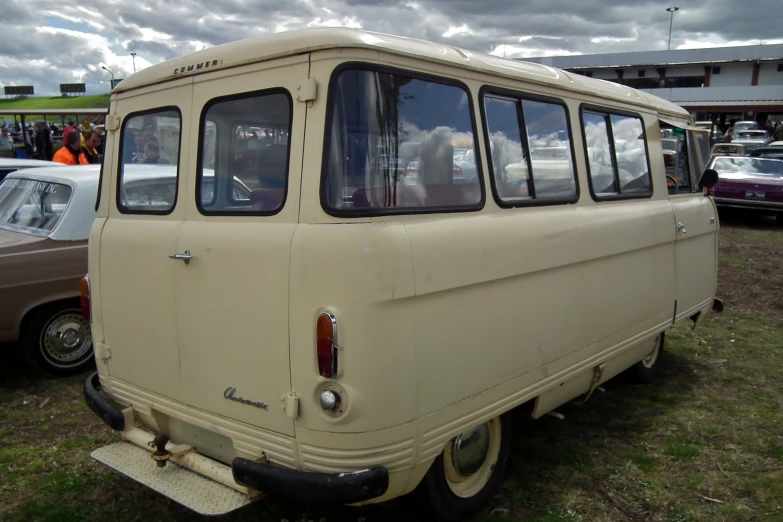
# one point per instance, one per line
(45, 220)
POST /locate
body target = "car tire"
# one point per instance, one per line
(455, 496)
(645, 370)
(57, 340)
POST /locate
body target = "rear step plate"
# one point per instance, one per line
(194, 491)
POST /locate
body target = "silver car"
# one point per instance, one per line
(751, 139)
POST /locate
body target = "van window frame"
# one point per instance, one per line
(395, 211)
(121, 164)
(518, 96)
(200, 156)
(608, 112)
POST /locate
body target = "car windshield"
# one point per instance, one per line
(768, 167)
(32, 206)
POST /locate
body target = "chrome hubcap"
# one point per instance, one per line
(470, 450)
(66, 338)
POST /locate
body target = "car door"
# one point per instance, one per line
(696, 223)
(137, 275)
(233, 295)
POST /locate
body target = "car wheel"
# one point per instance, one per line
(58, 341)
(645, 370)
(464, 477)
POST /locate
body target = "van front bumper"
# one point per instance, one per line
(339, 488)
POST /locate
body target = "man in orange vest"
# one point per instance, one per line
(71, 153)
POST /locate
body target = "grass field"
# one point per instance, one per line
(704, 442)
(56, 102)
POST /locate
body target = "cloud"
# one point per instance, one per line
(50, 42)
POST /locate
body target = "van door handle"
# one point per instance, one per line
(681, 227)
(185, 256)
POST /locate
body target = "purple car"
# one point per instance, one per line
(749, 183)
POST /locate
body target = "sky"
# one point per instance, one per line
(46, 42)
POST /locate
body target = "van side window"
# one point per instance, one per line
(546, 172)
(700, 153)
(243, 167)
(676, 160)
(616, 153)
(396, 143)
(149, 162)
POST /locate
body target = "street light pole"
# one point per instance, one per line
(108, 71)
(133, 55)
(671, 10)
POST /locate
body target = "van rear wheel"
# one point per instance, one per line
(464, 477)
(58, 340)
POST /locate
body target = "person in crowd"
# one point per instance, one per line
(102, 138)
(90, 144)
(43, 142)
(71, 153)
(6, 141)
(152, 154)
(70, 128)
(728, 136)
(29, 143)
(779, 132)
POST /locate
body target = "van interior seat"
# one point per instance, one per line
(441, 195)
(266, 199)
(272, 162)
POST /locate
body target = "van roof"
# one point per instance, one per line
(276, 45)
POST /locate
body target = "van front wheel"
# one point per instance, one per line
(464, 477)
(58, 341)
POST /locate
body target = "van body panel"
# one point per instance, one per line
(363, 274)
(140, 304)
(592, 272)
(232, 317)
(695, 252)
(232, 298)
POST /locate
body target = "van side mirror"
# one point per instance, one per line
(709, 179)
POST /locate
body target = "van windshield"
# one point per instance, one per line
(32, 206)
(398, 142)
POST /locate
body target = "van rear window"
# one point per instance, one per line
(244, 153)
(396, 144)
(149, 162)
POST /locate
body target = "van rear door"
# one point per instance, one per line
(137, 277)
(242, 208)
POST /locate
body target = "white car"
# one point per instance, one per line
(8, 165)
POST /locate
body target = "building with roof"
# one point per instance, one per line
(723, 84)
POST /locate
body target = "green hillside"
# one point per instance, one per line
(56, 102)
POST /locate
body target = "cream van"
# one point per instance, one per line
(360, 323)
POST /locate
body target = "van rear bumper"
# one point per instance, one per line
(100, 406)
(339, 488)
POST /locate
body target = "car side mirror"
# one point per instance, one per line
(709, 179)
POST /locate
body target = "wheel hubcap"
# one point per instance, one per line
(470, 450)
(66, 339)
(469, 459)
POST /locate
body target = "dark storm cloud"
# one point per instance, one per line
(161, 29)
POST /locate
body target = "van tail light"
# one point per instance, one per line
(84, 297)
(457, 170)
(326, 344)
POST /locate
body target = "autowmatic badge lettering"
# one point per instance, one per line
(229, 395)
